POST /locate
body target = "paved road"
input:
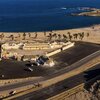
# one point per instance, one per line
(63, 85)
(74, 66)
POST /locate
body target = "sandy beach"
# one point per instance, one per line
(91, 34)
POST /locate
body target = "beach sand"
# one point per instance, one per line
(94, 35)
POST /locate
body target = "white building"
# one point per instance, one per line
(8, 46)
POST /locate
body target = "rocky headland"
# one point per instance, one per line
(91, 12)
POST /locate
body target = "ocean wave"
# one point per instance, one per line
(64, 8)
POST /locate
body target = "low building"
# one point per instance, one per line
(7, 55)
(36, 46)
(29, 51)
(8, 46)
(41, 46)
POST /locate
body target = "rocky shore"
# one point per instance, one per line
(92, 12)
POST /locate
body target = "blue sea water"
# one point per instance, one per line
(43, 15)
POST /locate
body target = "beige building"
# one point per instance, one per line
(29, 51)
(36, 46)
(41, 46)
(8, 46)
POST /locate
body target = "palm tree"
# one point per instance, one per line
(50, 37)
(19, 35)
(29, 34)
(79, 35)
(83, 34)
(44, 33)
(87, 34)
(54, 35)
(2, 36)
(75, 35)
(24, 36)
(68, 33)
(59, 36)
(12, 37)
(65, 37)
(70, 37)
(35, 35)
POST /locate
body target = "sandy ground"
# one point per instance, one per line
(94, 35)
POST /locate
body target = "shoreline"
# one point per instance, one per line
(49, 30)
(93, 30)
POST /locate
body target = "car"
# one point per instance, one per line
(31, 63)
(41, 60)
(12, 92)
(30, 69)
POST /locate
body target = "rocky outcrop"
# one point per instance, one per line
(95, 12)
(92, 94)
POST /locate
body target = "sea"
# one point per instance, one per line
(45, 15)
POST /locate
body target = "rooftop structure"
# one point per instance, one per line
(29, 51)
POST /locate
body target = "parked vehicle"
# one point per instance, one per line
(41, 60)
(12, 92)
(29, 69)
